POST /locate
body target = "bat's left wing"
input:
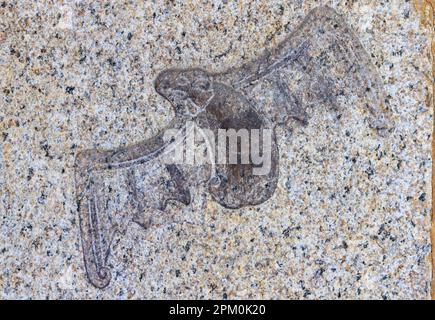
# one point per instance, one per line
(321, 62)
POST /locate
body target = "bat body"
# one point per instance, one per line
(316, 65)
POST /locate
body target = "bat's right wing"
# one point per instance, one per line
(98, 201)
(114, 187)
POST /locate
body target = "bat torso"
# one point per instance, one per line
(237, 184)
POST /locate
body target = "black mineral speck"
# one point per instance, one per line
(30, 174)
(70, 90)
(370, 172)
(345, 246)
(288, 183)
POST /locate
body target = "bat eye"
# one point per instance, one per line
(202, 84)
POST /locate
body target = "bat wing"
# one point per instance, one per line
(322, 61)
(97, 224)
(102, 177)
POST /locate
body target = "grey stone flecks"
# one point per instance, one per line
(350, 217)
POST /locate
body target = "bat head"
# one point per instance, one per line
(188, 90)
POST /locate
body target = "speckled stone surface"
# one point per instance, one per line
(350, 217)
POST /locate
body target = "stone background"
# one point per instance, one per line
(350, 217)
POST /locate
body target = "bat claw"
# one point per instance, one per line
(101, 278)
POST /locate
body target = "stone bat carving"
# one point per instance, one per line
(316, 65)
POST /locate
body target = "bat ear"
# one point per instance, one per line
(164, 81)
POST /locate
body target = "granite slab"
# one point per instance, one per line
(351, 214)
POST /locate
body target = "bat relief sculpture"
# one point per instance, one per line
(319, 63)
